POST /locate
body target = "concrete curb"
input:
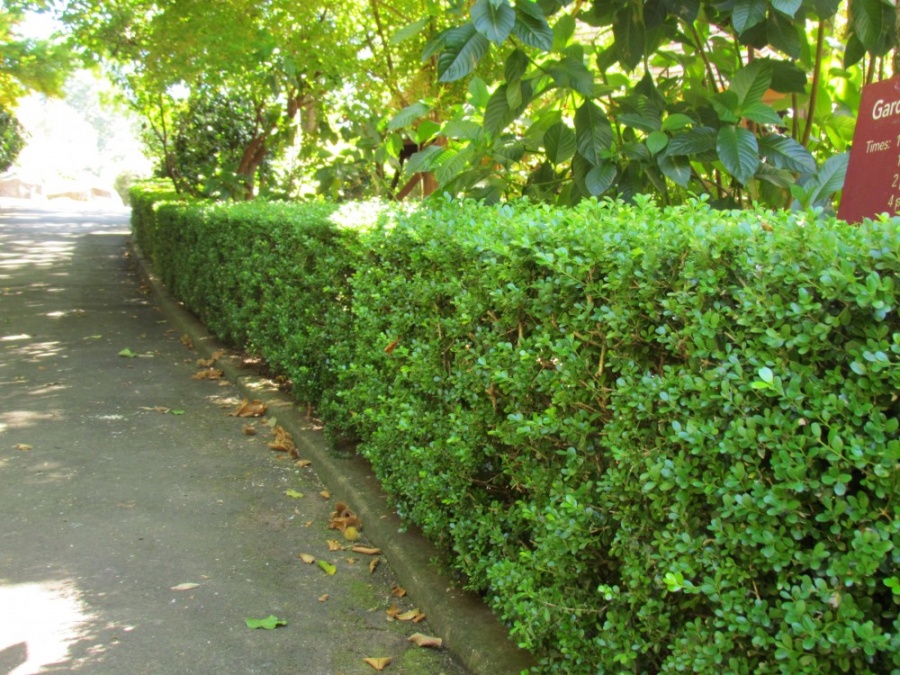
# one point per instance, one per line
(469, 629)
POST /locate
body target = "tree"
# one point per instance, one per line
(735, 99)
(12, 139)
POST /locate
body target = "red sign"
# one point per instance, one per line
(872, 185)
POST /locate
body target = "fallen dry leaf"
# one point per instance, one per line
(307, 558)
(206, 363)
(157, 408)
(325, 494)
(351, 533)
(398, 591)
(24, 447)
(189, 586)
(283, 442)
(208, 374)
(254, 408)
(373, 565)
(249, 430)
(366, 550)
(303, 463)
(421, 640)
(412, 615)
(342, 518)
(393, 611)
(323, 598)
(380, 663)
(187, 341)
(334, 545)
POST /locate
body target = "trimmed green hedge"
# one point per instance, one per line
(656, 439)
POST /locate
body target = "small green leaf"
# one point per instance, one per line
(176, 412)
(327, 567)
(766, 375)
(294, 494)
(128, 354)
(271, 622)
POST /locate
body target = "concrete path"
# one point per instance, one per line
(122, 478)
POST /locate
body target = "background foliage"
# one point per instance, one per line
(750, 101)
(657, 439)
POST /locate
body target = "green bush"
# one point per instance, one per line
(656, 439)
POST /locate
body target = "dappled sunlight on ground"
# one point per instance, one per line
(23, 419)
(39, 622)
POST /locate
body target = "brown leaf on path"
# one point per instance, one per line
(393, 611)
(303, 463)
(23, 447)
(254, 408)
(334, 545)
(206, 363)
(208, 374)
(373, 565)
(412, 615)
(157, 408)
(398, 591)
(323, 598)
(342, 518)
(187, 341)
(249, 430)
(283, 442)
(379, 663)
(307, 558)
(366, 550)
(325, 494)
(421, 640)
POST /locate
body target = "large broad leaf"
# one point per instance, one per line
(600, 178)
(563, 31)
(409, 31)
(752, 81)
(570, 72)
(424, 160)
(409, 115)
(593, 133)
(559, 142)
(452, 164)
(463, 48)
(693, 142)
(784, 34)
(829, 180)
(531, 26)
(788, 7)
(463, 129)
(748, 13)
(494, 19)
(675, 168)
(738, 151)
(762, 113)
(516, 65)
(868, 22)
(499, 113)
(629, 36)
(825, 9)
(788, 78)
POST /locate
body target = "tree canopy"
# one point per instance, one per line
(748, 100)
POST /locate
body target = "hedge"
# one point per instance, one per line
(657, 440)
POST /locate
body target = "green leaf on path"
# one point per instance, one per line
(128, 354)
(327, 567)
(269, 623)
(176, 412)
(294, 494)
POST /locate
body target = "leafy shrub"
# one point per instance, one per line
(657, 439)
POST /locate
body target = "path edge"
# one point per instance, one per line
(469, 629)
